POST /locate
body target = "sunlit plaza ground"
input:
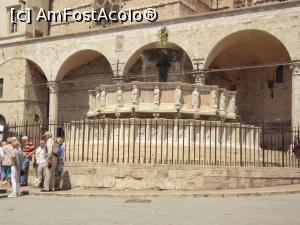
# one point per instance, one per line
(263, 210)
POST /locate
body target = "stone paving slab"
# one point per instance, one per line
(265, 191)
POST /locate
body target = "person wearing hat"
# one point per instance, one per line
(51, 162)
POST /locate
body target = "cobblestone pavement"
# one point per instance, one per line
(48, 210)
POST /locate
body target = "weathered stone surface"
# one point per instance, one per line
(172, 177)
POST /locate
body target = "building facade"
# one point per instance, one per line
(250, 48)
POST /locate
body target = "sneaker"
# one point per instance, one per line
(12, 196)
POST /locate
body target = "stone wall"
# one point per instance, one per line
(12, 103)
(71, 26)
(256, 102)
(187, 178)
(166, 10)
(25, 94)
(36, 95)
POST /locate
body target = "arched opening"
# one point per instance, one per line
(81, 72)
(152, 63)
(2, 127)
(25, 92)
(36, 94)
(263, 92)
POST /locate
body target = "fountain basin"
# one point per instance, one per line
(161, 99)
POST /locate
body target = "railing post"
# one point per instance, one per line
(263, 144)
(241, 146)
(216, 133)
(298, 147)
(282, 147)
(83, 141)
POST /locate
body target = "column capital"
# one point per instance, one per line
(295, 66)
(53, 86)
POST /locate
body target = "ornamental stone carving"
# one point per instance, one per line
(232, 105)
(91, 101)
(103, 98)
(195, 98)
(135, 95)
(156, 96)
(120, 96)
(142, 98)
(178, 96)
(53, 87)
(98, 100)
(214, 99)
(222, 101)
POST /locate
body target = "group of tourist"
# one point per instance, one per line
(47, 161)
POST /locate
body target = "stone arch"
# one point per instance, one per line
(78, 59)
(25, 90)
(82, 71)
(2, 120)
(33, 61)
(259, 94)
(230, 39)
(135, 64)
(39, 63)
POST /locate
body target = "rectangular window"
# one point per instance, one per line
(13, 26)
(1, 87)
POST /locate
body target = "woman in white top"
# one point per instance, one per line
(40, 156)
(16, 162)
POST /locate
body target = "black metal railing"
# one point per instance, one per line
(162, 141)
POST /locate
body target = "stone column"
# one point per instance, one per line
(296, 94)
(53, 97)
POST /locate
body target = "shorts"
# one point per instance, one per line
(6, 172)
